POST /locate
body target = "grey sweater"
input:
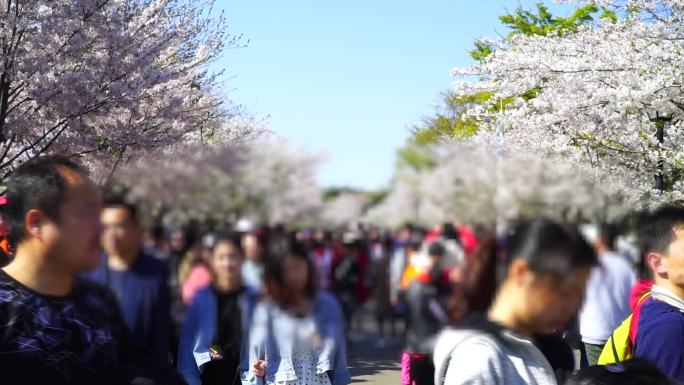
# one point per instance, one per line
(475, 357)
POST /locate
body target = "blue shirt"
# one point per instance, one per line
(143, 297)
(660, 337)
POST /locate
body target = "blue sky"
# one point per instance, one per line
(349, 78)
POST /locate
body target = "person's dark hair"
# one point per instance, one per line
(436, 249)
(158, 233)
(231, 239)
(118, 202)
(549, 248)
(274, 274)
(656, 230)
(415, 241)
(36, 184)
(608, 234)
(408, 227)
(475, 292)
(449, 232)
(632, 372)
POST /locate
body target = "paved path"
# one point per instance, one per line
(371, 365)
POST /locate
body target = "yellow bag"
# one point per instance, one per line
(618, 348)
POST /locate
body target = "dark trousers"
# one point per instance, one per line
(422, 371)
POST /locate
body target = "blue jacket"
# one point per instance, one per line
(199, 330)
(660, 337)
(276, 348)
(143, 297)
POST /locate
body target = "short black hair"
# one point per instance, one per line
(158, 232)
(415, 241)
(232, 239)
(607, 234)
(36, 184)
(550, 247)
(656, 230)
(449, 232)
(120, 202)
(436, 249)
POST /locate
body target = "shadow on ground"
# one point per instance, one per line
(372, 365)
(375, 371)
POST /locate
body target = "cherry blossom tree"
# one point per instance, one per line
(279, 183)
(104, 79)
(473, 185)
(345, 209)
(406, 202)
(448, 120)
(265, 181)
(584, 98)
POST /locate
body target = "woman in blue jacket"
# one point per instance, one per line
(213, 348)
(298, 331)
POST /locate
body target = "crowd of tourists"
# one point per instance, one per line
(88, 295)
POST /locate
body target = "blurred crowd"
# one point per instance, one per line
(88, 294)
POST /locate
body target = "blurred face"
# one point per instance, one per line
(74, 240)
(252, 248)
(207, 254)
(121, 236)
(226, 262)
(177, 241)
(669, 267)
(549, 302)
(296, 271)
(374, 235)
(148, 240)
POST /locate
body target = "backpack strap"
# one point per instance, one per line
(443, 369)
(478, 325)
(616, 356)
(634, 324)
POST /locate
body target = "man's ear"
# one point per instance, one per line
(33, 223)
(519, 271)
(656, 262)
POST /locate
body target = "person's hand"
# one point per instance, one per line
(259, 368)
(215, 353)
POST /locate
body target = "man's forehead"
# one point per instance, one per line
(117, 214)
(115, 211)
(78, 182)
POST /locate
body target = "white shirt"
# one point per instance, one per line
(606, 302)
